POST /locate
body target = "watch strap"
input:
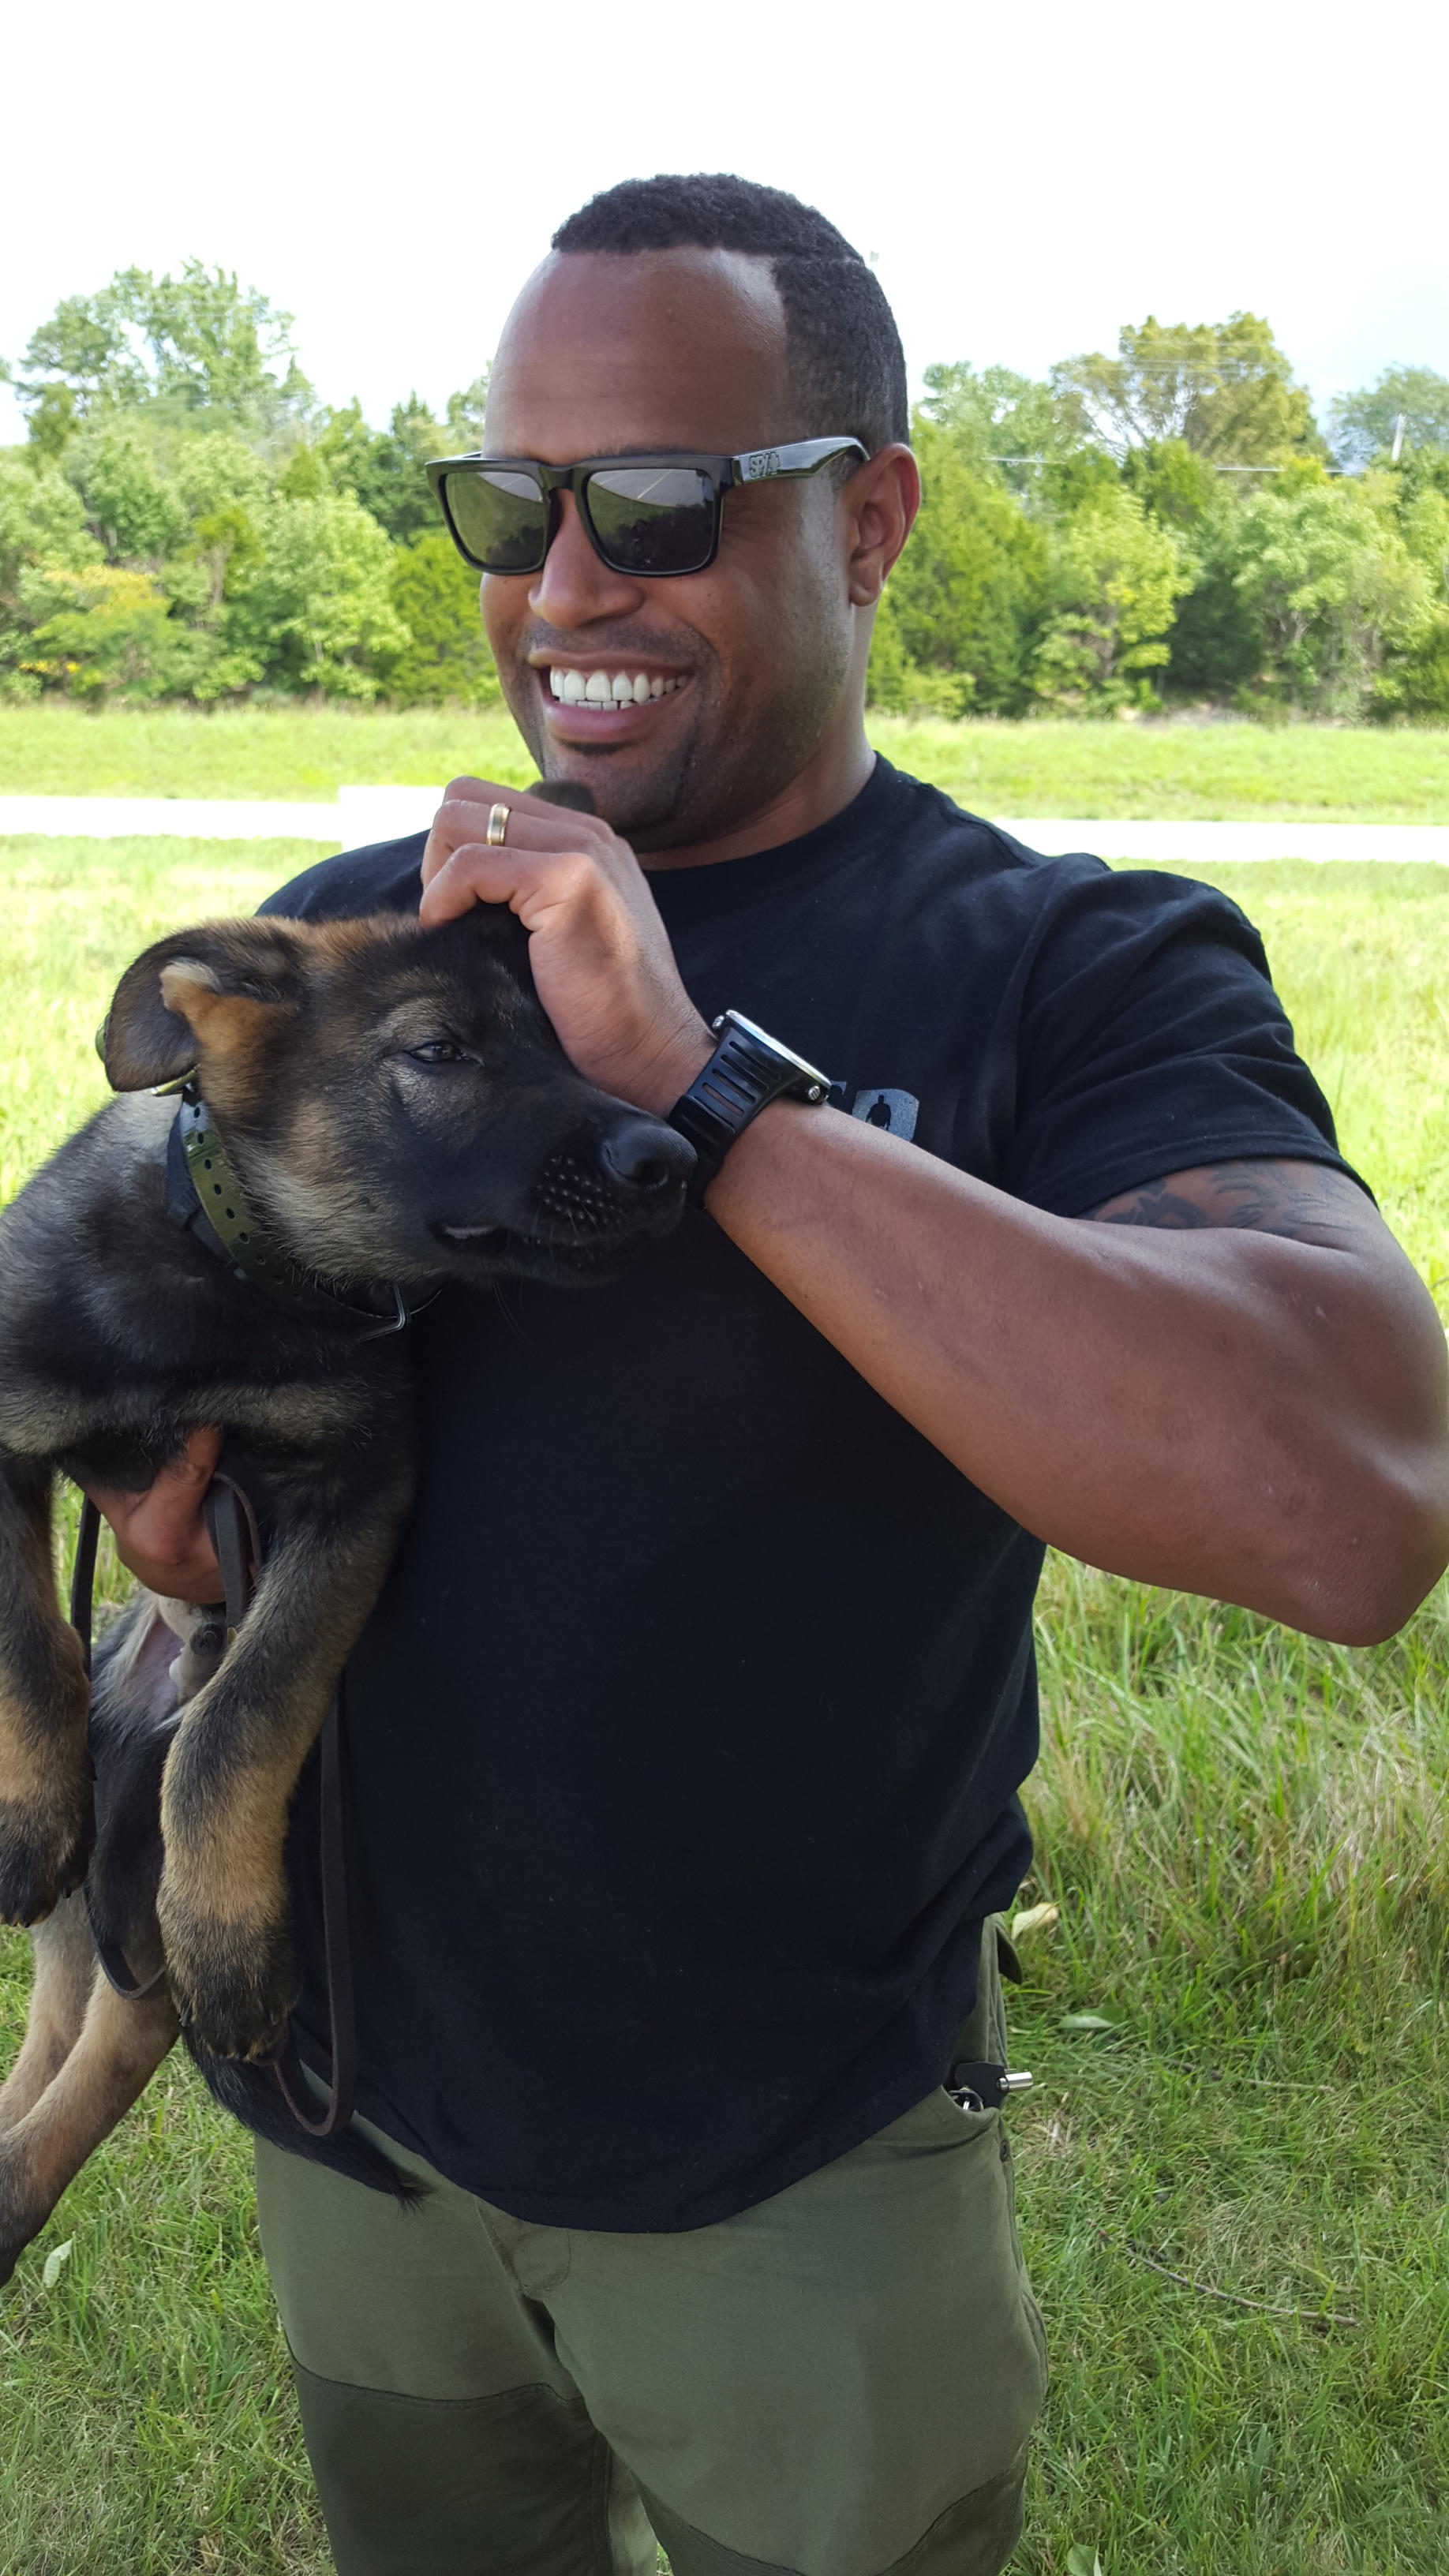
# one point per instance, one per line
(745, 1073)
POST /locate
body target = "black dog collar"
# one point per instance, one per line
(205, 1195)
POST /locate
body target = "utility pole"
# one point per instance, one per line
(1401, 423)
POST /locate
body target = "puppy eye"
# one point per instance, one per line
(437, 1051)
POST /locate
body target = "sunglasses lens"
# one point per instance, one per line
(501, 518)
(653, 518)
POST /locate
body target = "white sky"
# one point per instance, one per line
(1030, 176)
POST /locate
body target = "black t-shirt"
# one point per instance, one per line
(685, 1741)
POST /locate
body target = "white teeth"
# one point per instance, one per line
(608, 689)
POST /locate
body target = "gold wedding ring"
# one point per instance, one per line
(497, 826)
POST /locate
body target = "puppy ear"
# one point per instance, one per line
(194, 991)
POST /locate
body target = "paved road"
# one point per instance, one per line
(363, 814)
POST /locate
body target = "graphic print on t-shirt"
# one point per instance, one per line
(894, 1111)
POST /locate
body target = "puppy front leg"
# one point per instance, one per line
(45, 1799)
(231, 1772)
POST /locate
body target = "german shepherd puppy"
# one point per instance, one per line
(389, 1112)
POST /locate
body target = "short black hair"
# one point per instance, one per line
(846, 361)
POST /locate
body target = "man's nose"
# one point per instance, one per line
(574, 588)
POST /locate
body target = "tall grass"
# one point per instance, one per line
(1232, 2166)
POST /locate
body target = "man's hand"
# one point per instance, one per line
(600, 954)
(160, 1535)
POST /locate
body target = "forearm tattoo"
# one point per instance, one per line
(1305, 1202)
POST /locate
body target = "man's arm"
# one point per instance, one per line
(1259, 1413)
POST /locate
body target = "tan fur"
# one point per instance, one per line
(234, 1877)
(223, 1899)
(118, 2049)
(234, 1037)
(307, 1191)
(40, 1773)
(65, 1971)
(42, 1752)
(27, 1768)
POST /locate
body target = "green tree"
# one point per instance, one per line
(196, 343)
(1215, 646)
(445, 661)
(84, 358)
(1224, 388)
(42, 523)
(313, 607)
(1175, 485)
(1363, 424)
(383, 469)
(1114, 578)
(1338, 599)
(220, 347)
(463, 416)
(1007, 425)
(110, 634)
(132, 506)
(225, 492)
(956, 627)
(1418, 683)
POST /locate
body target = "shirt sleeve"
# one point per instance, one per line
(1150, 1039)
(382, 878)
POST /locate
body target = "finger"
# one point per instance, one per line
(530, 881)
(166, 1522)
(194, 1577)
(467, 809)
(180, 1484)
(182, 1564)
(563, 795)
(197, 1462)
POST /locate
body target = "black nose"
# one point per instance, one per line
(642, 1156)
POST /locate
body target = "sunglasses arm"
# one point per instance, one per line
(805, 456)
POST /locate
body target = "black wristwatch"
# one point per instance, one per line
(745, 1073)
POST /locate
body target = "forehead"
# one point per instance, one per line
(657, 349)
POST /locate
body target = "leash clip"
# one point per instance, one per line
(975, 2087)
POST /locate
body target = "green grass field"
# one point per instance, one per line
(1248, 1837)
(1242, 772)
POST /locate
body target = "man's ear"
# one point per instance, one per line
(884, 497)
(198, 990)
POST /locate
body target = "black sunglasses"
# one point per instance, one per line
(649, 515)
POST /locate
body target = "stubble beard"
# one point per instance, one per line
(709, 780)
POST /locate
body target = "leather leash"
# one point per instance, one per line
(232, 1525)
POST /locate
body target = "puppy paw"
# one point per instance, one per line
(24, 2206)
(44, 1853)
(234, 1982)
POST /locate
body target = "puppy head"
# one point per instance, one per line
(395, 1099)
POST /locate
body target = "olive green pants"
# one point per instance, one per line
(837, 2382)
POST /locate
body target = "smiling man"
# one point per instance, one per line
(685, 1744)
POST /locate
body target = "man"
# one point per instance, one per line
(684, 1746)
